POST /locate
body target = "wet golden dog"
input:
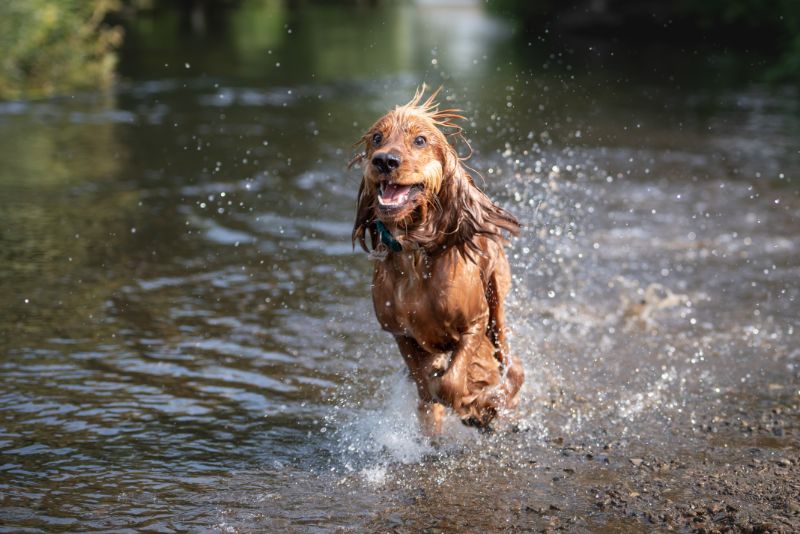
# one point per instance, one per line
(441, 275)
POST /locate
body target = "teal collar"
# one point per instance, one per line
(387, 238)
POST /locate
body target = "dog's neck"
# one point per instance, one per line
(400, 237)
(387, 238)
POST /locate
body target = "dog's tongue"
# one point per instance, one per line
(395, 194)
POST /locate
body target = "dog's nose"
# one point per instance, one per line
(386, 162)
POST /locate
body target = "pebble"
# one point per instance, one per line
(636, 461)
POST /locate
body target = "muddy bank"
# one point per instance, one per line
(736, 470)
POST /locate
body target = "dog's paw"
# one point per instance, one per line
(481, 420)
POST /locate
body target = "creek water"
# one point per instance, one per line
(186, 334)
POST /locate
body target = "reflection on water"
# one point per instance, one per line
(187, 338)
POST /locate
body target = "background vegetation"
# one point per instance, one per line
(57, 46)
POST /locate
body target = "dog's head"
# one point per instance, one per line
(414, 183)
(405, 157)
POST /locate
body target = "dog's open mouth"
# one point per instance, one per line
(393, 196)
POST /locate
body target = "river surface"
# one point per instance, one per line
(186, 335)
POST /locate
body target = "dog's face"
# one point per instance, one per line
(405, 156)
(414, 182)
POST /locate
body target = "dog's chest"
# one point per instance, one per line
(428, 305)
(405, 303)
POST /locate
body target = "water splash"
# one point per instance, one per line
(385, 432)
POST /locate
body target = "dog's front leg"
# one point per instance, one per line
(453, 387)
(422, 365)
(431, 415)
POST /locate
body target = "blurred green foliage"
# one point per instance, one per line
(771, 27)
(57, 46)
(53, 46)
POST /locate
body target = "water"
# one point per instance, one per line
(186, 336)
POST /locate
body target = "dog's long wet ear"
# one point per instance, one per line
(364, 203)
(476, 213)
(488, 218)
(364, 217)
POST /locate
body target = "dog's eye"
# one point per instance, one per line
(420, 140)
(377, 137)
